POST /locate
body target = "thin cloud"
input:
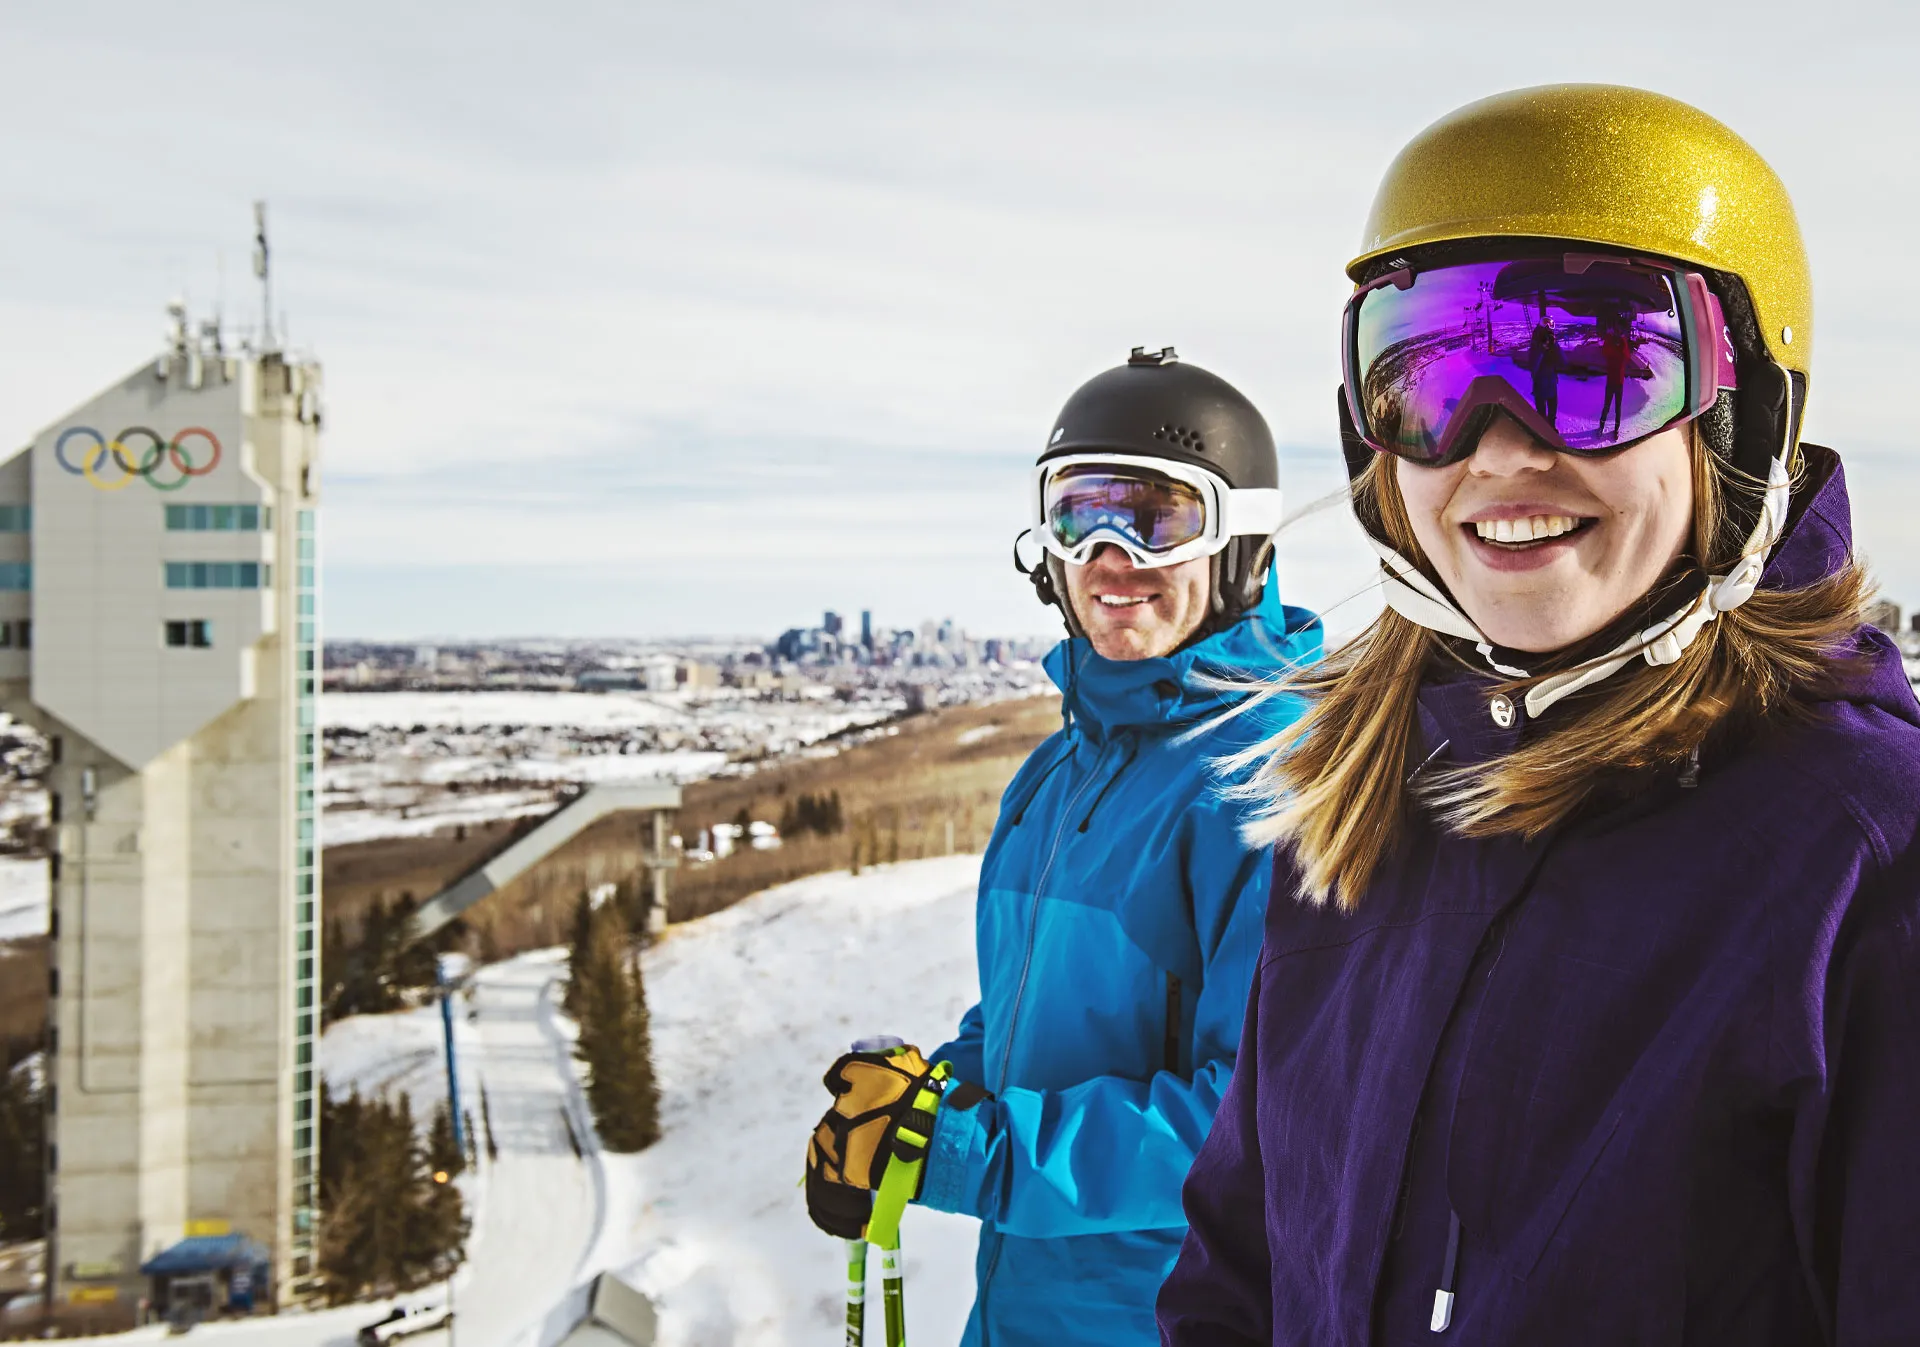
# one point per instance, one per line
(609, 281)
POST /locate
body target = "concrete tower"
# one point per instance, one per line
(158, 555)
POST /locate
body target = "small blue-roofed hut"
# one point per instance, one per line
(206, 1273)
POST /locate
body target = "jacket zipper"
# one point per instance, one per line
(1019, 994)
(1496, 936)
(1033, 912)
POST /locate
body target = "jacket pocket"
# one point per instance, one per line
(1512, 1193)
(1548, 1077)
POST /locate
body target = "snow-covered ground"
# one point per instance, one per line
(749, 1007)
(473, 710)
(24, 897)
(408, 763)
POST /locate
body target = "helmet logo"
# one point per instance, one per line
(1058, 431)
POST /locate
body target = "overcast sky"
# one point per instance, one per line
(650, 318)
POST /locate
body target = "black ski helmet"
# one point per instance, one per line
(1158, 406)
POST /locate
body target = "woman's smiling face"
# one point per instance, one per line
(1543, 549)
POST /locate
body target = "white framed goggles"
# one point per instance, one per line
(1158, 512)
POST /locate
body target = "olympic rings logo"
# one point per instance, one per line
(120, 454)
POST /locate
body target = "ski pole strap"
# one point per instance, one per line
(902, 1177)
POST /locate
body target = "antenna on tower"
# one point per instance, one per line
(260, 270)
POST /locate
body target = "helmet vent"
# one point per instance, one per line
(1187, 439)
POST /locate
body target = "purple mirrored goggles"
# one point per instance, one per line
(1590, 352)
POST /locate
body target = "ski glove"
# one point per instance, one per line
(874, 1094)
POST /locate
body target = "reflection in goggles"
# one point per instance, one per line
(1599, 355)
(1156, 513)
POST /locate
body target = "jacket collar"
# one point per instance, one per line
(1104, 696)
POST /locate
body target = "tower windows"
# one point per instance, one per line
(195, 633)
(218, 518)
(207, 574)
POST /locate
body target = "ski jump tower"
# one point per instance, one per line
(158, 554)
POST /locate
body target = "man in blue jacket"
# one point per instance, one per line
(1119, 916)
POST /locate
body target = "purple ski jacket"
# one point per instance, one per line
(1651, 1079)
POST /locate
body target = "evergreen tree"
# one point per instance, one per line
(444, 1155)
(412, 963)
(23, 1137)
(810, 813)
(577, 953)
(615, 1042)
(386, 1225)
(370, 974)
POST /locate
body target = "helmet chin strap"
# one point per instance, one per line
(1420, 601)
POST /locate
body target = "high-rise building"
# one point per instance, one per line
(831, 624)
(866, 628)
(158, 614)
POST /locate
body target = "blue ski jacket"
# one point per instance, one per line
(1118, 927)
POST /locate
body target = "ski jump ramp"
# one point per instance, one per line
(659, 798)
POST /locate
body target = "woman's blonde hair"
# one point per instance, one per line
(1337, 784)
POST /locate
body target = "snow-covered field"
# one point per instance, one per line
(473, 710)
(24, 896)
(404, 764)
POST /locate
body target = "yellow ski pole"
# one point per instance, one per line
(857, 1248)
(856, 1292)
(898, 1183)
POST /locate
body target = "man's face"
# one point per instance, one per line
(1132, 612)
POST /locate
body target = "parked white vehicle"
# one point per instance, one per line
(404, 1321)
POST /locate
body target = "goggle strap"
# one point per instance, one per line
(1254, 509)
(1714, 321)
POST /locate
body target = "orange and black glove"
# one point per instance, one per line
(849, 1150)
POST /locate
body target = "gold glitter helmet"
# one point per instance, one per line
(1632, 171)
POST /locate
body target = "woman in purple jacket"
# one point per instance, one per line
(1596, 1016)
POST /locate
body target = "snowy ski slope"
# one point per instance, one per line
(749, 1007)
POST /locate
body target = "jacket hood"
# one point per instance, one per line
(1105, 695)
(1818, 542)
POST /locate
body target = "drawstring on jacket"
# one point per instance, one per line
(1132, 752)
(1052, 767)
(1443, 1297)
